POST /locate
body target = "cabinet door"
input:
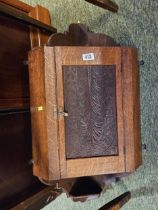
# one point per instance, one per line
(89, 98)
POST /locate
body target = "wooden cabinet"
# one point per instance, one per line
(16, 39)
(85, 111)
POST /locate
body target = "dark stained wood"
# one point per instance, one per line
(15, 43)
(14, 103)
(16, 176)
(18, 5)
(39, 200)
(85, 186)
(106, 4)
(25, 19)
(15, 157)
(117, 203)
(80, 35)
(90, 100)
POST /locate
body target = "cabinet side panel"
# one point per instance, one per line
(38, 113)
(131, 108)
(52, 116)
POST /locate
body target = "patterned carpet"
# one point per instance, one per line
(135, 24)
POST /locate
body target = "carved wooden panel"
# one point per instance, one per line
(90, 100)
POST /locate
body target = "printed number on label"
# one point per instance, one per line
(88, 57)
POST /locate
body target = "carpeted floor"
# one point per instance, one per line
(135, 24)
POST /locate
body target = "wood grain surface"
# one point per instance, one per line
(18, 5)
(131, 108)
(90, 100)
(16, 177)
(80, 35)
(44, 122)
(14, 81)
(39, 139)
(17, 180)
(37, 37)
(68, 153)
(14, 91)
(105, 4)
(66, 56)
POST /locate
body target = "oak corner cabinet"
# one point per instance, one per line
(85, 111)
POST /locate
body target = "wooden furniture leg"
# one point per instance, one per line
(117, 203)
(105, 4)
